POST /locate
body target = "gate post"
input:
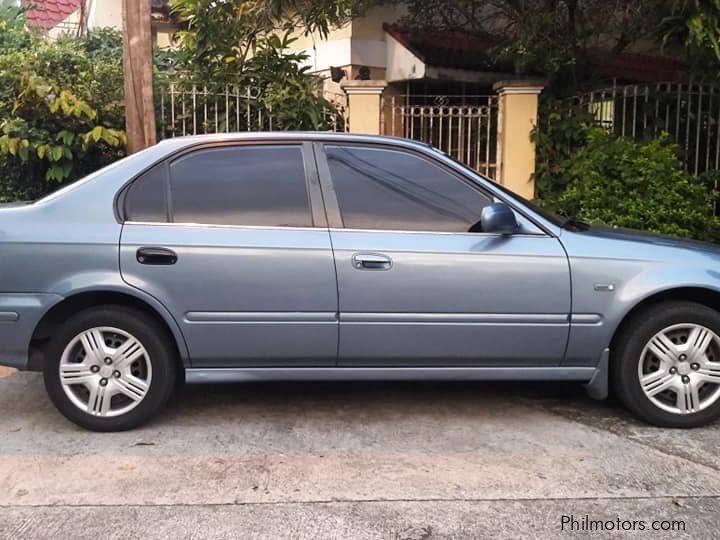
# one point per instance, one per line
(517, 116)
(364, 105)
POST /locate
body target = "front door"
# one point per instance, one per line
(417, 288)
(233, 240)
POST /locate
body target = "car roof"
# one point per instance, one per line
(326, 136)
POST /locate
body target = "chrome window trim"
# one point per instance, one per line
(443, 233)
(332, 229)
(218, 226)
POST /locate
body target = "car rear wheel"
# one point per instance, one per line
(666, 365)
(109, 368)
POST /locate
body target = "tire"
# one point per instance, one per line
(126, 381)
(663, 344)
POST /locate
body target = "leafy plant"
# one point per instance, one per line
(245, 44)
(286, 88)
(561, 132)
(51, 129)
(222, 35)
(61, 108)
(641, 185)
(695, 24)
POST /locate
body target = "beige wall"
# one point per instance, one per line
(371, 25)
(108, 13)
(163, 35)
(102, 13)
(360, 42)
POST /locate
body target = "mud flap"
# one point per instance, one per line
(597, 388)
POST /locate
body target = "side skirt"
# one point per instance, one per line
(231, 375)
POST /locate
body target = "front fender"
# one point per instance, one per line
(598, 312)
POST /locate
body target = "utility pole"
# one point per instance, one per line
(138, 75)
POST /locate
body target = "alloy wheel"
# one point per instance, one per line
(679, 368)
(105, 371)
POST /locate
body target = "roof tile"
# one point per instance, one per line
(49, 13)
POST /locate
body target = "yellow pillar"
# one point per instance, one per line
(364, 105)
(517, 116)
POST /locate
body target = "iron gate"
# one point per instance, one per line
(464, 127)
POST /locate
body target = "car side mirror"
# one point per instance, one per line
(498, 218)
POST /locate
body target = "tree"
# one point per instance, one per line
(222, 34)
(695, 25)
(61, 112)
(550, 38)
(245, 44)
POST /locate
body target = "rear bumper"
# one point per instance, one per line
(19, 315)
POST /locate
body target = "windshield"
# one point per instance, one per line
(553, 218)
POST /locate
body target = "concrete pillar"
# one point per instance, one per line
(364, 105)
(517, 116)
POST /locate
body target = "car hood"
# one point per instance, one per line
(631, 244)
(631, 235)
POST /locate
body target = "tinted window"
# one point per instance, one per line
(146, 198)
(388, 189)
(241, 185)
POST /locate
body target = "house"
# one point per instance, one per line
(56, 17)
(452, 64)
(444, 88)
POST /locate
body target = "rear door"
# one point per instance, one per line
(232, 239)
(420, 284)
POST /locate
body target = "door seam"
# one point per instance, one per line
(332, 250)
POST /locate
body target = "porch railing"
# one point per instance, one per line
(464, 127)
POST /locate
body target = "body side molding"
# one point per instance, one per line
(230, 375)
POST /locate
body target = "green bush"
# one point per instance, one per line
(61, 108)
(561, 132)
(247, 45)
(640, 185)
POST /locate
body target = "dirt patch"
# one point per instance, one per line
(5, 371)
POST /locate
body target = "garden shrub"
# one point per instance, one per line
(641, 185)
(562, 130)
(61, 107)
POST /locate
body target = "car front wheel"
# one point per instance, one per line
(666, 365)
(109, 368)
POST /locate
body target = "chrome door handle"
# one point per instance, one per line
(371, 261)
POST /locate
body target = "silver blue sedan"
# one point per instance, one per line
(306, 256)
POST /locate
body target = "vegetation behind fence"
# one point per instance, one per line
(688, 112)
(191, 109)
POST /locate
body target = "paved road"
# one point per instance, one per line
(400, 461)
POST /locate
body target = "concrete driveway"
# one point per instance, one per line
(400, 461)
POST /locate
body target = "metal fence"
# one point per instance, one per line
(689, 112)
(465, 127)
(189, 109)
